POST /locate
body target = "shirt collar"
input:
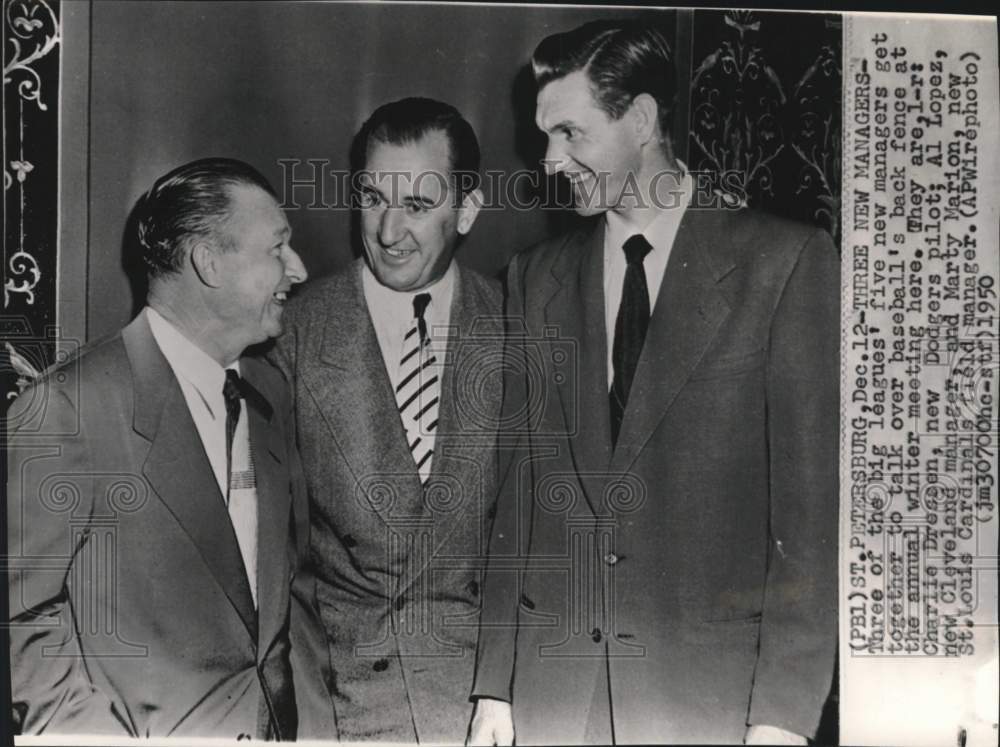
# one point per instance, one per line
(396, 304)
(186, 359)
(660, 231)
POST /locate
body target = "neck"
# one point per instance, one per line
(189, 317)
(656, 186)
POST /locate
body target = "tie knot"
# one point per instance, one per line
(232, 390)
(636, 249)
(420, 302)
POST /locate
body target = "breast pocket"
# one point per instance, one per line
(729, 366)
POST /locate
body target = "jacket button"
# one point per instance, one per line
(610, 558)
(595, 635)
(400, 603)
(381, 665)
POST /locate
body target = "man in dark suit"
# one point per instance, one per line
(157, 513)
(393, 362)
(663, 560)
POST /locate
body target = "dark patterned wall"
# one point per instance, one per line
(765, 110)
(30, 156)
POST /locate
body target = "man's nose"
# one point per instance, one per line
(390, 229)
(294, 269)
(555, 158)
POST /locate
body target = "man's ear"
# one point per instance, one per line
(471, 203)
(204, 259)
(644, 112)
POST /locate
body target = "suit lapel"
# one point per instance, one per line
(576, 308)
(354, 395)
(470, 397)
(178, 469)
(689, 311)
(273, 514)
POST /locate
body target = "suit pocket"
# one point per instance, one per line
(729, 366)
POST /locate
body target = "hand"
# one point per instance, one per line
(761, 734)
(492, 723)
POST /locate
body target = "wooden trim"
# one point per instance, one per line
(74, 173)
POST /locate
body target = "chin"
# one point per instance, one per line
(271, 330)
(396, 280)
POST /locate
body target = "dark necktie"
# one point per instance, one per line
(630, 330)
(420, 302)
(278, 714)
(232, 391)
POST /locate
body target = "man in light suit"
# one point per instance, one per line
(156, 509)
(663, 561)
(393, 363)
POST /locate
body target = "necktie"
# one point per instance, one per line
(418, 390)
(630, 329)
(232, 392)
(278, 715)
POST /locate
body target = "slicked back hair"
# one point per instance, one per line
(621, 59)
(190, 203)
(408, 120)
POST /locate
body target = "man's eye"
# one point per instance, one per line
(416, 208)
(368, 199)
(569, 133)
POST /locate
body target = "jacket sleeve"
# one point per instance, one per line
(47, 484)
(501, 584)
(798, 635)
(312, 672)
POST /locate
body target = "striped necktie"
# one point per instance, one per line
(418, 390)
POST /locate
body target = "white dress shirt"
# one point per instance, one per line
(201, 379)
(391, 312)
(660, 232)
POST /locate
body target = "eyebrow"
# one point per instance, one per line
(423, 201)
(407, 200)
(565, 123)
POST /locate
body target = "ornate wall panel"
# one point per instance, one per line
(766, 110)
(30, 158)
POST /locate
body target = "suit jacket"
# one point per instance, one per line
(700, 554)
(398, 566)
(131, 610)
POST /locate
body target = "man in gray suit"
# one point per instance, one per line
(156, 507)
(663, 562)
(391, 362)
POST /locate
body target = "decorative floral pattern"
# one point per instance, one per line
(816, 139)
(32, 32)
(765, 116)
(30, 75)
(736, 102)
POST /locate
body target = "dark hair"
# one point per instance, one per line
(620, 58)
(407, 121)
(190, 202)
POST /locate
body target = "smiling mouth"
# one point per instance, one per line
(579, 180)
(398, 253)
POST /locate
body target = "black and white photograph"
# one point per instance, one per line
(458, 373)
